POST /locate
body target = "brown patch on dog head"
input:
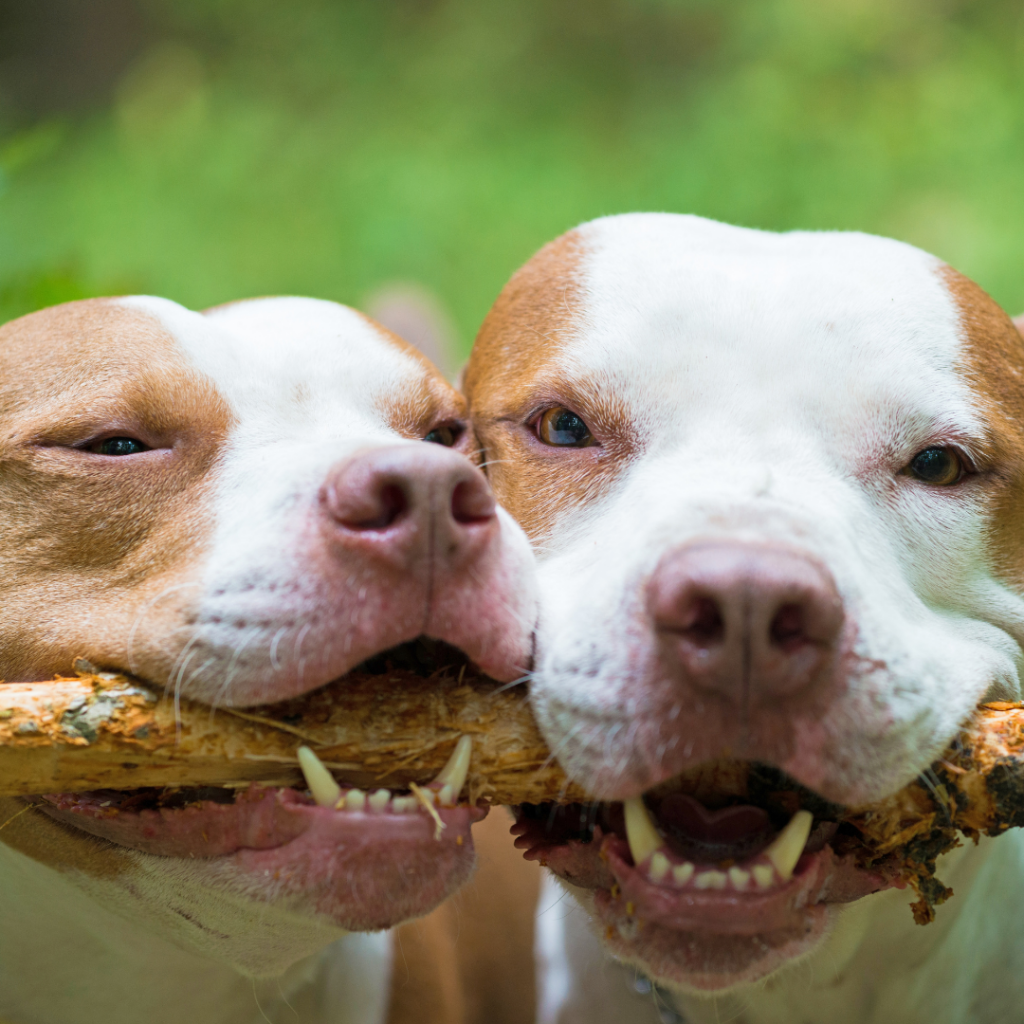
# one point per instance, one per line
(86, 540)
(994, 365)
(516, 370)
(427, 402)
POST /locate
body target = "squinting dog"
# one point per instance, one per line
(776, 487)
(240, 506)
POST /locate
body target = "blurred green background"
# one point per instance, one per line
(212, 149)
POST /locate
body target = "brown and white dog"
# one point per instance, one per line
(776, 487)
(240, 506)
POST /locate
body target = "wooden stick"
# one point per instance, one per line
(106, 731)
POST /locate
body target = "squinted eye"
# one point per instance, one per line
(119, 446)
(940, 467)
(564, 429)
(446, 434)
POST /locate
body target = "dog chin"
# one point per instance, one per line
(704, 963)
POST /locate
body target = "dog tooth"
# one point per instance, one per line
(740, 879)
(452, 776)
(641, 833)
(789, 844)
(378, 800)
(320, 781)
(404, 804)
(659, 867)
(764, 875)
(682, 873)
(355, 800)
(711, 880)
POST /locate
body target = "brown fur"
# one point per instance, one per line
(64, 849)
(471, 960)
(994, 366)
(512, 375)
(81, 534)
(436, 401)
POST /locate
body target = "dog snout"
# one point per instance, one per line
(750, 623)
(403, 501)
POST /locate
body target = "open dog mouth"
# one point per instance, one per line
(714, 877)
(365, 857)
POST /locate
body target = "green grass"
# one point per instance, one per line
(324, 148)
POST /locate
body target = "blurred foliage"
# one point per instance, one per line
(249, 146)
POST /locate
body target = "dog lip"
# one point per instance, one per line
(259, 819)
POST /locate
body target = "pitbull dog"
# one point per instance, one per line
(776, 487)
(239, 506)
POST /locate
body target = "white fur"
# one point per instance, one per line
(73, 950)
(304, 380)
(774, 386)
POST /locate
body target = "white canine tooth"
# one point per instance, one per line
(404, 804)
(641, 833)
(682, 873)
(659, 867)
(355, 800)
(447, 797)
(452, 776)
(740, 879)
(378, 800)
(320, 781)
(711, 880)
(789, 844)
(764, 875)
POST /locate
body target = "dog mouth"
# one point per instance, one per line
(365, 858)
(713, 878)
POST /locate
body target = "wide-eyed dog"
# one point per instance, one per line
(239, 506)
(776, 487)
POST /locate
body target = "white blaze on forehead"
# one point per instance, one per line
(690, 321)
(292, 363)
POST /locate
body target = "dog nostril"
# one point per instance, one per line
(373, 508)
(703, 622)
(392, 503)
(787, 628)
(472, 502)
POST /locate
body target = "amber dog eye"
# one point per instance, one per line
(940, 467)
(445, 434)
(562, 428)
(119, 446)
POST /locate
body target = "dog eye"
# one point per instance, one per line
(118, 446)
(563, 428)
(940, 467)
(446, 434)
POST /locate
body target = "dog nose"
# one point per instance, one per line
(748, 622)
(405, 501)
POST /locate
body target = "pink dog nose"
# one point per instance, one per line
(749, 622)
(405, 501)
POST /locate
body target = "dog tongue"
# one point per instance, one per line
(689, 818)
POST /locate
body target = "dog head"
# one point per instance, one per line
(775, 487)
(240, 507)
